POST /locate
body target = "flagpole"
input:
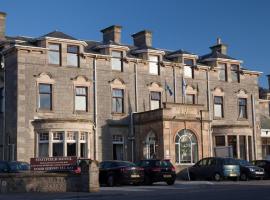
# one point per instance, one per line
(166, 91)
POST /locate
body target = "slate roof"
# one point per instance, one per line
(265, 122)
(180, 51)
(59, 34)
(216, 54)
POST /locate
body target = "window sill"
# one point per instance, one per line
(154, 74)
(80, 112)
(218, 118)
(118, 114)
(55, 65)
(71, 66)
(116, 70)
(44, 111)
(242, 119)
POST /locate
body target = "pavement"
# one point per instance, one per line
(186, 190)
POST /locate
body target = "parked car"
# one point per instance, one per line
(249, 171)
(265, 164)
(120, 172)
(156, 170)
(13, 167)
(215, 168)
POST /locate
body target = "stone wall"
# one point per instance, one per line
(51, 182)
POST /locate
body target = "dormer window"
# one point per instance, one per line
(116, 60)
(153, 65)
(222, 71)
(73, 55)
(188, 68)
(54, 55)
(235, 73)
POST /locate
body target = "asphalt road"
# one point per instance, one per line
(203, 190)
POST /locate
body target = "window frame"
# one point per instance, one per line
(225, 71)
(222, 107)
(57, 51)
(187, 65)
(245, 108)
(114, 110)
(50, 94)
(80, 95)
(236, 71)
(118, 59)
(155, 99)
(72, 53)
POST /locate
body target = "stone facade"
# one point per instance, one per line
(140, 75)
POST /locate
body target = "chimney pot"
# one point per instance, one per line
(218, 40)
(219, 47)
(2, 25)
(142, 38)
(112, 33)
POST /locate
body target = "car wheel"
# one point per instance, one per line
(217, 177)
(147, 180)
(110, 181)
(243, 177)
(170, 182)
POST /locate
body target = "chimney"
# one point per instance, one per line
(219, 47)
(143, 38)
(112, 33)
(2, 25)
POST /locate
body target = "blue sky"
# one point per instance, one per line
(192, 25)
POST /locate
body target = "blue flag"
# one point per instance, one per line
(167, 88)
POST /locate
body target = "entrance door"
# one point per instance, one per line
(118, 152)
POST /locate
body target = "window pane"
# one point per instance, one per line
(218, 100)
(54, 57)
(153, 68)
(220, 141)
(217, 110)
(80, 103)
(117, 93)
(232, 141)
(155, 95)
(45, 101)
(72, 59)
(242, 143)
(55, 47)
(72, 49)
(153, 58)
(58, 149)
(43, 150)
(80, 91)
(44, 88)
(222, 72)
(116, 64)
(71, 149)
(155, 104)
(188, 62)
(188, 71)
(117, 54)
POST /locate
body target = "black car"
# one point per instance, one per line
(215, 168)
(120, 172)
(249, 171)
(158, 171)
(265, 164)
(13, 167)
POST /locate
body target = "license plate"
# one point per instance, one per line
(135, 176)
(259, 172)
(233, 175)
(167, 176)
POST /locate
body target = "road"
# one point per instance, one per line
(203, 190)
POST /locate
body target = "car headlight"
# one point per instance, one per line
(251, 169)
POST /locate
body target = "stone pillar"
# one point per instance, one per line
(78, 147)
(87, 135)
(93, 177)
(50, 144)
(37, 144)
(238, 146)
(65, 144)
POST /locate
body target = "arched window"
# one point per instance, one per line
(150, 146)
(186, 147)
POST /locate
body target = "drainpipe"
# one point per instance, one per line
(174, 84)
(254, 126)
(95, 107)
(4, 99)
(209, 113)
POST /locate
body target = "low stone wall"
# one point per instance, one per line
(51, 182)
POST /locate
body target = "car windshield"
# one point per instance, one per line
(163, 163)
(230, 161)
(244, 163)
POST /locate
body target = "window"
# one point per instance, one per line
(222, 71)
(45, 96)
(118, 147)
(218, 106)
(54, 54)
(242, 144)
(235, 73)
(190, 99)
(186, 147)
(83, 149)
(188, 68)
(220, 141)
(155, 101)
(116, 60)
(118, 101)
(150, 146)
(71, 143)
(72, 55)
(2, 100)
(153, 65)
(58, 145)
(232, 141)
(43, 146)
(81, 98)
(242, 103)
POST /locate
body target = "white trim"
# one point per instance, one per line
(64, 40)
(150, 51)
(222, 60)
